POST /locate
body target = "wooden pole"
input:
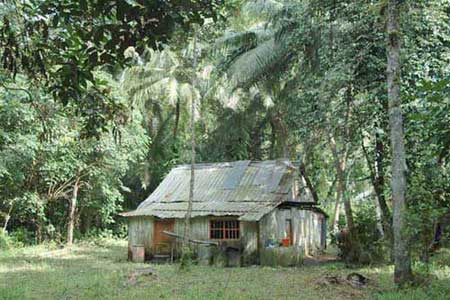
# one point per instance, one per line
(187, 219)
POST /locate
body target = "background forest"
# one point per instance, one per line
(95, 108)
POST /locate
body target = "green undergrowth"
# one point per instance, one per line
(98, 269)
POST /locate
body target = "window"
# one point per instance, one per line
(224, 229)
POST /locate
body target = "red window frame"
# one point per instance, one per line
(224, 229)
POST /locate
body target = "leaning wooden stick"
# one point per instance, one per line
(178, 236)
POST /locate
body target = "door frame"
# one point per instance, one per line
(157, 234)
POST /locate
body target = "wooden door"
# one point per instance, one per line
(289, 233)
(161, 241)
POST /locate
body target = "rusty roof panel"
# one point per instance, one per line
(245, 189)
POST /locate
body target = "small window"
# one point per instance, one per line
(224, 229)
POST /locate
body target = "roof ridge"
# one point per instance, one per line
(228, 164)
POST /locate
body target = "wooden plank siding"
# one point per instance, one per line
(140, 233)
(306, 228)
(307, 231)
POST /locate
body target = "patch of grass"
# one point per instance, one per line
(99, 270)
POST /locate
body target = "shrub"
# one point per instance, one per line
(22, 236)
(5, 242)
(372, 246)
(187, 258)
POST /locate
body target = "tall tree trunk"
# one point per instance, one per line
(402, 259)
(273, 137)
(282, 149)
(340, 162)
(379, 218)
(340, 166)
(177, 119)
(379, 186)
(7, 217)
(337, 212)
(187, 219)
(309, 184)
(71, 215)
(376, 170)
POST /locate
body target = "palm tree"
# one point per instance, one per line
(158, 82)
(256, 47)
(159, 88)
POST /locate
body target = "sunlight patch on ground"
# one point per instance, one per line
(24, 266)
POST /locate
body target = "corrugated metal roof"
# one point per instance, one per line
(245, 189)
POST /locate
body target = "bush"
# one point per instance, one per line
(373, 248)
(5, 242)
(22, 236)
(187, 258)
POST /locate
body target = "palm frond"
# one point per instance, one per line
(256, 63)
(237, 39)
(258, 8)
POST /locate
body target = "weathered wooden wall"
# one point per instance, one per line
(199, 228)
(249, 242)
(306, 228)
(248, 233)
(140, 233)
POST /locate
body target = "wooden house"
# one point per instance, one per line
(245, 205)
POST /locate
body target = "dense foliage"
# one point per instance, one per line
(95, 97)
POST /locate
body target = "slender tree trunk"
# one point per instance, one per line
(257, 136)
(38, 225)
(337, 212)
(177, 119)
(379, 217)
(71, 215)
(272, 140)
(402, 260)
(340, 165)
(309, 184)
(187, 219)
(7, 218)
(379, 186)
(281, 136)
(377, 179)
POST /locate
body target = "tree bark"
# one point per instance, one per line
(379, 218)
(71, 215)
(187, 219)
(379, 186)
(337, 211)
(376, 170)
(309, 184)
(177, 119)
(7, 218)
(340, 165)
(272, 140)
(402, 260)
